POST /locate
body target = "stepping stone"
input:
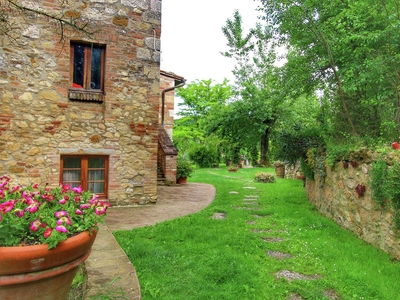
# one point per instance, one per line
(272, 239)
(251, 197)
(245, 208)
(278, 255)
(294, 297)
(250, 200)
(289, 276)
(260, 230)
(233, 192)
(251, 203)
(249, 187)
(219, 216)
(331, 294)
(259, 216)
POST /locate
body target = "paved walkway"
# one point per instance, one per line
(108, 261)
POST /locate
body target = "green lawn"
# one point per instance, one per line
(198, 257)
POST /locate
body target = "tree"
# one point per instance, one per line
(350, 50)
(252, 117)
(200, 96)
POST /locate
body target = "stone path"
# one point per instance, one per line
(250, 202)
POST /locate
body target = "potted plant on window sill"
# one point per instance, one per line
(184, 170)
(45, 234)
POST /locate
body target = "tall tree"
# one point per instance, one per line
(259, 101)
(348, 49)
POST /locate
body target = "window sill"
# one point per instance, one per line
(85, 95)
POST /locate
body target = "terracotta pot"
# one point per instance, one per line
(34, 272)
(181, 180)
(280, 171)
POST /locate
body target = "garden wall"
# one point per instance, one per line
(334, 196)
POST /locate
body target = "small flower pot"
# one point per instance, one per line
(280, 171)
(181, 180)
(34, 272)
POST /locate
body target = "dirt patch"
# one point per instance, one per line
(219, 216)
(278, 255)
(290, 275)
(252, 222)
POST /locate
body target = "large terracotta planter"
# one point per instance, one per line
(34, 272)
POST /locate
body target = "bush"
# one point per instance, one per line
(183, 168)
(203, 156)
(264, 177)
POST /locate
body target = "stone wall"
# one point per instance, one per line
(335, 197)
(38, 122)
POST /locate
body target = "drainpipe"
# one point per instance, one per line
(178, 84)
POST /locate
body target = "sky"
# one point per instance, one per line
(192, 38)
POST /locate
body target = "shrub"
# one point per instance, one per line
(183, 168)
(264, 177)
(203, 156)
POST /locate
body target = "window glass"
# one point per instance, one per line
(95, 81)
(79, 69)
(96, 187)
(72, 162)
(96, 162)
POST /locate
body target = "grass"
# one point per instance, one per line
(198, 257)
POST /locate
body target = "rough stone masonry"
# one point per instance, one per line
(38, 120)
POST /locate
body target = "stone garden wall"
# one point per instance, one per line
(38, 120)
(335, 196)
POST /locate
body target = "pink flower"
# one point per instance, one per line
(35, 225)
(35, 186)
(60, 214)
(19, 213)
(61, 228)
(85, 206)
(32, 208)
(15, 188)
(63, 220)
(64, 188)
(47, 232)
(78, 212)
(100, 210)
(7, 206)
(77, 189)
(62, 201)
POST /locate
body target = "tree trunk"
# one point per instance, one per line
(264, 147)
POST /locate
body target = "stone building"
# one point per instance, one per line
(83, 111)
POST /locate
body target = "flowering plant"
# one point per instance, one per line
(33, 215)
